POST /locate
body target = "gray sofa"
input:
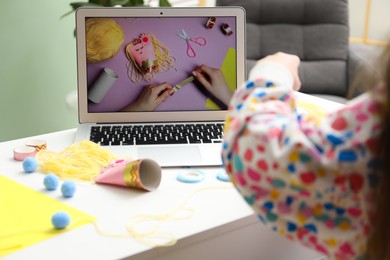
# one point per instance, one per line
(315, 30)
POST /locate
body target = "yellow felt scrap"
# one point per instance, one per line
(25, 216)
(228, 69)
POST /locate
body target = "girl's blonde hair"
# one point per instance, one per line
(379, 239)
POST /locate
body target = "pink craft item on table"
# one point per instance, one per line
(22, 152)
(141, 174)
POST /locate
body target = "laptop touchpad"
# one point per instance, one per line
(172, 155)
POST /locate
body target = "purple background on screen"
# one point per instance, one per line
(124, 91)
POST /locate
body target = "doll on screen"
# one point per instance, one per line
(147, 56)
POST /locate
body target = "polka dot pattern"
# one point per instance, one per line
(308, 182)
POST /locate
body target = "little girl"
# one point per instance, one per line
(312, 182)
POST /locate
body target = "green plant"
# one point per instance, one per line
(112, 3)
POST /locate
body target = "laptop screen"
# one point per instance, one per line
(174, 61)
(145, 64)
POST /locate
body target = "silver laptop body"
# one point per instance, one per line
(122, 51)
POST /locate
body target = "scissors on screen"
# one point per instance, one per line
(201, 41)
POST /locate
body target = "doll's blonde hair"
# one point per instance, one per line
(164, 61)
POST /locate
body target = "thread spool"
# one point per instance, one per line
(226, 29)
(211, 22)
(22, 152)
(37, 144)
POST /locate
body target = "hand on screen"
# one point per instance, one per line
(150, 98)
(213, 80)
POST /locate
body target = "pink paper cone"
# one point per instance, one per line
(141, 174)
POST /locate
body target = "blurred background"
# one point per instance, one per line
(38, 60)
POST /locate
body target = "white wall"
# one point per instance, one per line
(379, 19)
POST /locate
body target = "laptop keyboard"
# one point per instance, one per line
(157, 134)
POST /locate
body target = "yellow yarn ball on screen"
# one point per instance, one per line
(104, 38)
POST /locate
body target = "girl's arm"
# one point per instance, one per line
(309, 181)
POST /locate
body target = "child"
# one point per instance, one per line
(312, 182)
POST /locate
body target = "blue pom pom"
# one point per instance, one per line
(68, 188)
(30, 164)
(60, 220)
(51, 181)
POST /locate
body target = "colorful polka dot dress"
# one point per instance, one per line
(308, 181)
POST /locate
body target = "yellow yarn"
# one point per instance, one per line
(153, 236)
(80, 161)
(104, 38)
(83, 161)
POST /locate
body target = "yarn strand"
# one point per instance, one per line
(81, 161)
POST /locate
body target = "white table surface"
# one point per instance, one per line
(223, 226)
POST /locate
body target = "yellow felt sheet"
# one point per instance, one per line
(25, 216)
(228, 69)
(313, 112)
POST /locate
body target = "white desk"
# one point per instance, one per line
(223, 226)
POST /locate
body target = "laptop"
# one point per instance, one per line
(156, 82)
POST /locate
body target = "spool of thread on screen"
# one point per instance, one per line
(102, 85)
